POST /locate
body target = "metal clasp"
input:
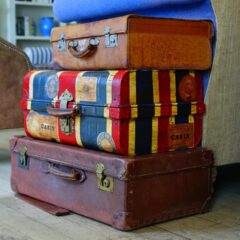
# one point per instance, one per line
(105, 183)
(65, 98)
(111, 40)
(22, 157)
(61, 43)
(66, 123)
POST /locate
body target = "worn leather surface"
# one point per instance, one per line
(143, 43)
(14, 64)
(49, 208)
(147, 189)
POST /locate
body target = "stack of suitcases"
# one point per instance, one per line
(128, 93)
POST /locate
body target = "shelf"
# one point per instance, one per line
(33, 4)
(32, 38)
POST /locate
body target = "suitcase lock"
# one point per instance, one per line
(66, 123)
(61, 46)
(22, 158)
(105, 183)
(111, 40)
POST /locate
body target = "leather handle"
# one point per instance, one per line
(71, 175)
(86, 50)
(59, 112)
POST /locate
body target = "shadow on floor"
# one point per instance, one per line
(228, 179)
(4, 155)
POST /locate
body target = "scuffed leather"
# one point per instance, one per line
(14, 64)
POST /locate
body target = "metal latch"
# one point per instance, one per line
(65, 98)
(61, 43)
(111, 40)
(66, 123)
(22, 158)
(105, 183)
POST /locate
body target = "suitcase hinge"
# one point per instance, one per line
(105, 183)
(61, 43)
(22, 158)
(66, 123)
(111, 40)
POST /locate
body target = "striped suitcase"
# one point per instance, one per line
(125, 112)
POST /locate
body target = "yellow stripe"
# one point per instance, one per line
(157, 110)
(173, 86)
(155, 135)
(78, 118)
(134, 112)
(77, 83)
(132, 88)
(156, 93)
(78, 130)
(172, 120)
(193, 108)
(192, 73)
(109, 126)
(190, 119)
(174, 110)
(109, 86)
(106, 112)
(131, 137)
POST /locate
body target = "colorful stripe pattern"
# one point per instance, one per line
(126, 112)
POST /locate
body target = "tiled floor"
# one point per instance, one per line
(20, 221)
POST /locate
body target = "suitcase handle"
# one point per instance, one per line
(59, 112)
(71, 175)
(85, 50)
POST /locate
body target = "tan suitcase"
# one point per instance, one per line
(134, 42)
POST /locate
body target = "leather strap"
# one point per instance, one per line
(84, 51)
(70, 175)
(58, 112)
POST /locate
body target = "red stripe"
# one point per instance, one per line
(67, 80)
(199, 86)
(120, 88)
(120, 96)
(120, 131)
(26, 80)
(163, 123)
(164, 89)
(120, 135)
(198, 120)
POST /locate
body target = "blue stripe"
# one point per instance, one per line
(91, 127)
(181, 119)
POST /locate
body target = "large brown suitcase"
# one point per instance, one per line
(125, 192)
(134, 42)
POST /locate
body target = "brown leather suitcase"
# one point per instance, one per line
(134, 42)
(125, 192)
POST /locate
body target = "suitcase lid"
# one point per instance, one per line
(114, 94)
(120, 167)
(121, 25)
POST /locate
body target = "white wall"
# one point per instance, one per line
(4, 19)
